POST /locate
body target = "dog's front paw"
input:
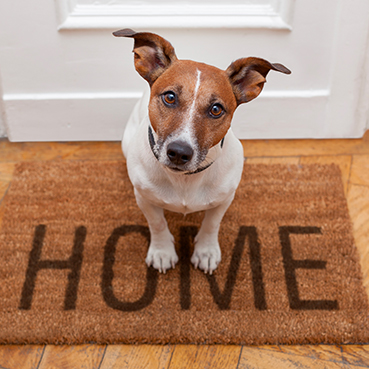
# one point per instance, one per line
(206, 257)
(161, 259)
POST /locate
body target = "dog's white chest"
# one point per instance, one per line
(184, 204)
(180, 196)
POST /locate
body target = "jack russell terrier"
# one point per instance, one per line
(181, 152)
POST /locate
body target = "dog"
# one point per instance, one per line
(180, 150)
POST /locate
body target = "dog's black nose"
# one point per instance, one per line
(179, 152)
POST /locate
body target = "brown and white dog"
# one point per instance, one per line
(181, 152)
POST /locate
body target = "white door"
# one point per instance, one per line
(65, 77)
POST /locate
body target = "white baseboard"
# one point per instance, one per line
(68, 117)
(102, 116)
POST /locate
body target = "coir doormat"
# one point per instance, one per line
(73, 244)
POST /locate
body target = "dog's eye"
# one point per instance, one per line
(216, 111)
(169, 98)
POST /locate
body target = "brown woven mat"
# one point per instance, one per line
(73, 244)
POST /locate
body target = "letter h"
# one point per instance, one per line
(74, 263)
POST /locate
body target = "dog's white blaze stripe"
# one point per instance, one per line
(192, 109)
(187, 131)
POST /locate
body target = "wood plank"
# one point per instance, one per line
(343, 161)
(289, 357)
(358, 204)
(274, 160)
(6, 174)
(94, 151)
(262, 148)
(34, 151)
(25, 356)
(205, 357)
(357, 355)
(360, 170)
(76, 357)
(140, 356)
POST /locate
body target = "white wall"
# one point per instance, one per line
(363, 109)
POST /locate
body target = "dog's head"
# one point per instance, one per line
(192, 104)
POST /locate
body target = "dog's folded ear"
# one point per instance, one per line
(247, 77)
(153, 54)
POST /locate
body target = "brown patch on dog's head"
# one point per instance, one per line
(214, 95)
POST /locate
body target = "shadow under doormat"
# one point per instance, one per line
(73, 244)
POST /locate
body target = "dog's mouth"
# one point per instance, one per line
(204, 164)
(177, 170)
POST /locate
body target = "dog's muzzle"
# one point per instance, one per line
(179, 153)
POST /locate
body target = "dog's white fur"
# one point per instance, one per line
(157, 187)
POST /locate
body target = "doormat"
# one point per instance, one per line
(73, 244)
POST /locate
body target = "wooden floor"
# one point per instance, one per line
(353, 158)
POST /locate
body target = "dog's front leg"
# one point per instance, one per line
(207, 253)
(161, 254)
